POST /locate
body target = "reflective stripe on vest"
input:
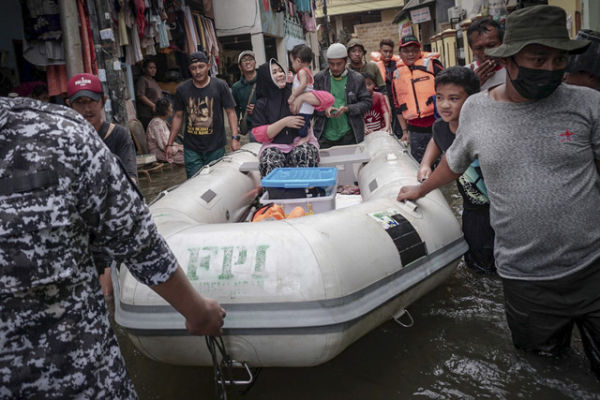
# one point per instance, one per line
(413, 87)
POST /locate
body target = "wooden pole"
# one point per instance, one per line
(69, 21)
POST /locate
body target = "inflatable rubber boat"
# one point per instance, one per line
(297, 291)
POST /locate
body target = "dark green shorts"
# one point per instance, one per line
(194, 161)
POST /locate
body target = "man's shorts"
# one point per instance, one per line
(541, 314)
(194, 161)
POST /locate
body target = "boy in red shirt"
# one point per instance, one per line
(378, 117)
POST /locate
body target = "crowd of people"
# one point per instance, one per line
(523, 147)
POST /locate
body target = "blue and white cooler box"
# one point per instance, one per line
(314, 189)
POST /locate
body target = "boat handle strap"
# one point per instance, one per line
(400, 314)
(238, 364)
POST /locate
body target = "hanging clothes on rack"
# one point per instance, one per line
(140, 7)
(192, 28)
(123, 34)
(87, 48)
(56, 76)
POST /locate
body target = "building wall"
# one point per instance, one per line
(237, 17)
(573, 8)
(370, 34)
(387, 16)
(11, 22)
(591, 15)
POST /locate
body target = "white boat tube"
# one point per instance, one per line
(297, 292)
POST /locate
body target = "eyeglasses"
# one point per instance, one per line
(247, 60)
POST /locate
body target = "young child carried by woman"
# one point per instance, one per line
(301, 57)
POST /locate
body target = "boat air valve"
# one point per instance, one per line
(402, 312)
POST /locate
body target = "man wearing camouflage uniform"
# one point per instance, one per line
(65, 206)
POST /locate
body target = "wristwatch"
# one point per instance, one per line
(236, 138)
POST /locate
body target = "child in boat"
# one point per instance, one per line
(453, 86)
(378, 117)
(301, 57)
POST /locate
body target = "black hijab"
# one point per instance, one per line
(272, 102)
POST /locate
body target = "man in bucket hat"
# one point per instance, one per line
(356, 54)
(538, 144)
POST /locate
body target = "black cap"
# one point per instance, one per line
(408, 40)
(198, 56)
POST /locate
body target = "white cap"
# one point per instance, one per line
(337, 50)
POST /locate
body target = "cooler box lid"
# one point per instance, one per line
(289, 178)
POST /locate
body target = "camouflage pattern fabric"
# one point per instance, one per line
(65, 206)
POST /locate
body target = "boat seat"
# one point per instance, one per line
(344, 160)
(344, 164)
(248, 166)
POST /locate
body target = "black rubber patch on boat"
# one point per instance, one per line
(373, 185)
(407, 240)
(208, 196)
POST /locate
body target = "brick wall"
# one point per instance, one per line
(370, 34)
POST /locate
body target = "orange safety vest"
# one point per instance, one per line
(376, 58)
(413, 87)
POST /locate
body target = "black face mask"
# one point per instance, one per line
(536, 84)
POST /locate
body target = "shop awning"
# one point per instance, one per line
(412, 5)
(338, 7)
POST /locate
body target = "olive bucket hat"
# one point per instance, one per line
(545, 25)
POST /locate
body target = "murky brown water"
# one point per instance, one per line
(458, 348)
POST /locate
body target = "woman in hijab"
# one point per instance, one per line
(276, 126)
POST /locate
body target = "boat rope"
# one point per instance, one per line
(223, 369)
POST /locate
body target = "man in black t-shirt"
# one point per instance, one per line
(201, 101)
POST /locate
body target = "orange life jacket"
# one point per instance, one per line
(377, 59)
(414, 86)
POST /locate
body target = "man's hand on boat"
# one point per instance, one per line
(412, 192)
(207, 322)
(423, 173)
(441, 176)
(203, 316)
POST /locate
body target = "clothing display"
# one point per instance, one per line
(140, 28)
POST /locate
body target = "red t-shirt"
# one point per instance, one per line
(374, 117)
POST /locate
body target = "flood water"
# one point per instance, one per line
(458, 348)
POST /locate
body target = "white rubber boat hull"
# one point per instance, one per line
(298, 291)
